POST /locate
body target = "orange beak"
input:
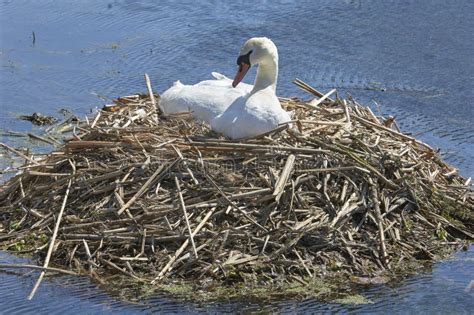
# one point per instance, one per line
(243, 68)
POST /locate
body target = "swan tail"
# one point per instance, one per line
(178, 84)
(219, 76)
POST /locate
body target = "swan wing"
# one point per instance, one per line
(250, 116)
(205, 101)
(224, 81)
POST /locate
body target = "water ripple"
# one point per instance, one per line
(412, 58)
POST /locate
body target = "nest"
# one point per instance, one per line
(158, 198)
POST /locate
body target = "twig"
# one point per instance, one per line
(399, 134)
(303, 263)
(183, 246)
(378, 214)
(309, 89)
(283, 178)
(150, 91)
(217, 145)
(18, 153)
(333, 169)
(26, 266)
(51, 244)
(178, 152)
(111, 264)
(346, 111)
(32, 135)
(183, 207)
(234, 205)
(96, 119)
(145, 186)
(314, 103)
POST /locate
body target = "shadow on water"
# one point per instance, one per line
(412, 58)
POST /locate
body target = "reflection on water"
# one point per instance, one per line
(442, 290)
(413, 58)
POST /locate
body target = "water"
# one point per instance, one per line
(413, 58)
(441, 291)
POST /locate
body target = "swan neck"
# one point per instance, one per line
(267, 75)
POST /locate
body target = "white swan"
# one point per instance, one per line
(206, 99)
(233, 109)
(259, 111)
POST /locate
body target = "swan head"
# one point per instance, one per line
(255, 51)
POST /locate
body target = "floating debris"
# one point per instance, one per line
(163, 199)
(39, 119)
